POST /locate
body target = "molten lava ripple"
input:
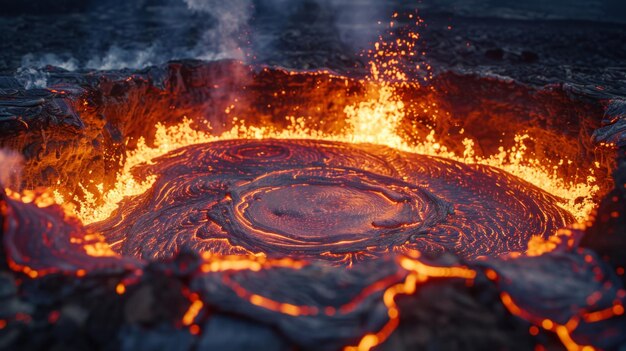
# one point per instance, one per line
(326, 200)
(337, 202)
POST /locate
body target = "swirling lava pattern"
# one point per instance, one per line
(326, 200)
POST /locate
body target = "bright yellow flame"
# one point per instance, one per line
(374, 120)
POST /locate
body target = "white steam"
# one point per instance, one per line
(224, 30)
(68, 63)
(118, 58)
(32, 78)
(232, 18)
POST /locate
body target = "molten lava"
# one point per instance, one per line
(316, 199)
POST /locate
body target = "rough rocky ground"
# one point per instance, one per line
(558, 67)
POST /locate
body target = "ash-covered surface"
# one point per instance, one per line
(553, 69)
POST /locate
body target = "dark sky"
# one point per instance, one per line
(596, 10)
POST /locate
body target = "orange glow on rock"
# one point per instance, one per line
(419, 273)
(120, 289)
(192, 311)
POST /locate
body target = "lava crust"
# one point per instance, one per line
(326, 200)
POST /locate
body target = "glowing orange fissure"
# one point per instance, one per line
(415, 273)
(563, 331)
(419, 273)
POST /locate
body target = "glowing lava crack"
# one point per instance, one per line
(326, 200)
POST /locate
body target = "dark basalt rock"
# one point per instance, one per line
(452, 316)
(607, 234)
(613, 130)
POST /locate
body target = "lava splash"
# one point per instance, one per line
(326, 200)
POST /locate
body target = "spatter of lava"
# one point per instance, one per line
(326, 200)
